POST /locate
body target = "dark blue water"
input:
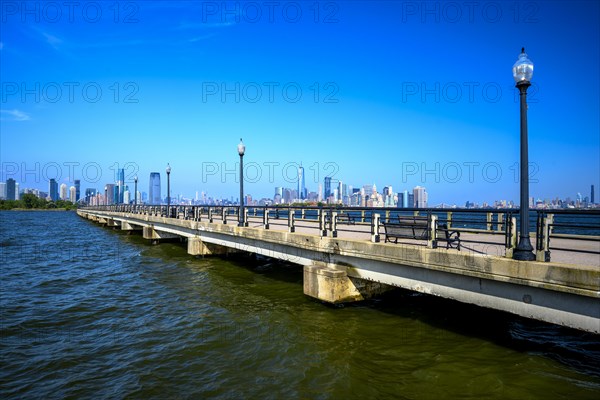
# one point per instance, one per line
(90, 312)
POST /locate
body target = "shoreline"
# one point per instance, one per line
(39, 209)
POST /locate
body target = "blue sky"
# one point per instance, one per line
(397, 93)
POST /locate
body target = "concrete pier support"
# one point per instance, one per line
(335, 286)
(126, 226)
(152, 234)
(196, 247)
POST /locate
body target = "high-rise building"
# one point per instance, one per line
(592, 199)
(63, 191)
(154, 188)
(11, 189)
(327, 187)
(110, 193)
(120, 185)
(77, 189)
(420, 197)
(53, 189)
(301, 183)
(411, 200)
(2, 191)
(126, 199)
(72, 194)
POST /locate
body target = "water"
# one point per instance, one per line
(88, 312)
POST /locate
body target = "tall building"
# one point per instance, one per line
(72, 194)
(592, 199)
(110, 193)
(11, 189)
(77, 189)
(53, 189)
(2, 191)
(411, 200)
(327, 187)
(120, 190)
(63, 191)
(154, 188)
(301, 183)
(420, 197)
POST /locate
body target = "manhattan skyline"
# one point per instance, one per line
(386, 92)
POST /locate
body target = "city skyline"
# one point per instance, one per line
(375, 105)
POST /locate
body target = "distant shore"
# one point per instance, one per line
(39, 209)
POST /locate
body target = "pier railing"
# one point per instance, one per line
(479, 228)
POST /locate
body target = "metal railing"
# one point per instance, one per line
(477, 226)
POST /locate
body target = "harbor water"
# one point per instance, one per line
(92, 312)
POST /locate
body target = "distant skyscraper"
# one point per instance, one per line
(420, 197)
(301, 183)
(53, 189)
(110, 193)
(411, 200)
(327, 187)
(11, 189)
(121, 185)
(154, 188)
(77, 189)
(2, 191)
(592, 196)
(63, 191)
(72, 194)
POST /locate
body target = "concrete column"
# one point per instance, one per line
(126, 226)
(335, 286)
(544, 254)
(513, 237)
(196, 247)
(375, 228)
(489, 218)
(334, 224)
(291, 216)
(432, 242)
(150, 233)
(266, 218)
(449, 219)
(500, 222)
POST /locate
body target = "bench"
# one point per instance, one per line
(417, 228)
(406, 228)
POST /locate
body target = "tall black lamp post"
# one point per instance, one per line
(135, 179)
(522, 73)
(168, 190)
(241, 150)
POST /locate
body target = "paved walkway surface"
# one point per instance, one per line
(562, 250)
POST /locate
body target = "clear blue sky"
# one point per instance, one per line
(395, 93)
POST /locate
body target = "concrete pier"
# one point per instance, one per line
(338, 269)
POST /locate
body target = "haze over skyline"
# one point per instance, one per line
(396, 93)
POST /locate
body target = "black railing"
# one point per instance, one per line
(478, 226)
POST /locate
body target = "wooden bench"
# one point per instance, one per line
(406, 228)
(417, 228)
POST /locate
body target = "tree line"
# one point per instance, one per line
(30, 201)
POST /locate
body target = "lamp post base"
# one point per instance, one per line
(524, 250)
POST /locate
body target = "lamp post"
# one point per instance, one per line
(168, 190)
(241, 150)
(135, 179)
(522, 73)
